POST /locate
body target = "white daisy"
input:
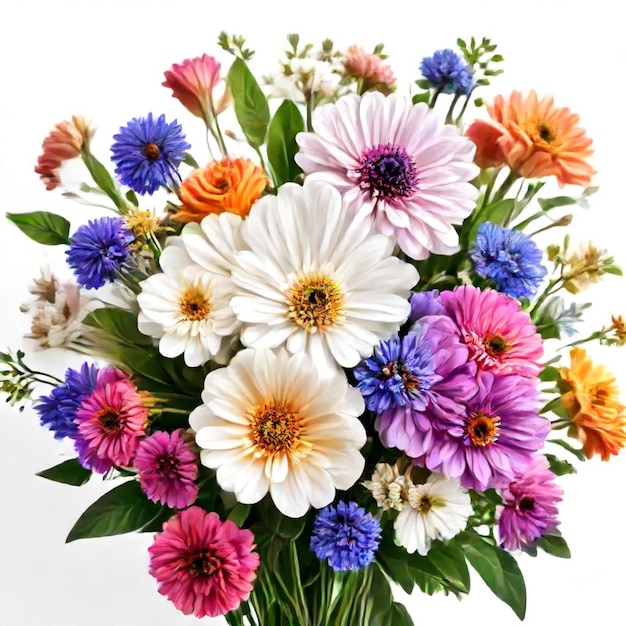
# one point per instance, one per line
(437, 509)
(271, 422)
(316, 281)
(185, 307)
(397, 166)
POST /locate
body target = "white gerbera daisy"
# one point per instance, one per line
(185, 307)
(397, 166)
(316, 281)
(271, 422)
(437, 509)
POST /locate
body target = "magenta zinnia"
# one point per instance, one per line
(111, 420)
(501, 338)
(397, 166)
(167, 469)
(529, 505)
(203, 565)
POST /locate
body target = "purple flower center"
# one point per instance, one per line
(387, 171)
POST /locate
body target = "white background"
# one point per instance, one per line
(105, 60)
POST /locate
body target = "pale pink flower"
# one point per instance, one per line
(203, 565)
(398, 167)
(369, 68)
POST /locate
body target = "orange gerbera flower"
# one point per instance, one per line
(590, 396)
(231, 186)
(536, 138)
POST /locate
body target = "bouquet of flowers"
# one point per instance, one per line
(317, 349)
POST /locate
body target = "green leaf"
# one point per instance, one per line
(281, 142)
(250, 103)
(70, 472)
(397, 570)
(119, 324)
(398, 616)
(577, 452)
(449, 559)
(43, 227)
(123, 509)
(549, 374)
(499, 570)
(424, 96)
(239, 513)
(104, 180)
(380, 599)
(554, 545)
(560, 467)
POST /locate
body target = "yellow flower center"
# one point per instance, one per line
(275, 427)
(425, 504)
(482, 430)
(110, 420)
(194, 304)
(496, 345)
(315, 302)
(541, 134)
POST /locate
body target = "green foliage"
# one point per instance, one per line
(499, 570)
(43, 227)
(250, 104)
(286, 123)
(124, 509)
(104, 180)
(70, 472)
(560, 467)
(552, 543)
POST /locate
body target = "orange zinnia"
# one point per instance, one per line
(590, 396)
(231, 186)
(536, 138)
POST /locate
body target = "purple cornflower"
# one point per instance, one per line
(508, 257)
(167, 469)
(490, 442)
(447, 72)
(530, 505)
(58, 410)
(99, 250)
(425, 303)
(147, 153)
(347, 536)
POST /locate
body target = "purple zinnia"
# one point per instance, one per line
(147, 153)
(447, 72)
(494, 439)
(58, 410)
(346, 536)
(167, 469)
(508, 257)
(530, 505)
(99, 250)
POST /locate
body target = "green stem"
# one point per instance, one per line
(219, 138)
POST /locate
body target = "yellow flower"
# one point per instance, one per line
(591, 397)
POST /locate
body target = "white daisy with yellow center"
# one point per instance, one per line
(186, 307)
(271, 422)
(316, 280)
(438, 509)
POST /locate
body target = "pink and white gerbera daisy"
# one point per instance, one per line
(397, 165)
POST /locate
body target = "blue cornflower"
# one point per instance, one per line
(98, 250)
(508, 257)
(346, 536)
(58, 410)
(399, 373)
(147, 153)
(447, 72)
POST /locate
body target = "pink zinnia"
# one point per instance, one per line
(370, 69)
(501, 338)
(530, 505)
(193, 83)
(64, 142)
(397, 166)
(492, 441)
(167, 469)
(203, 565)
(111, 420)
